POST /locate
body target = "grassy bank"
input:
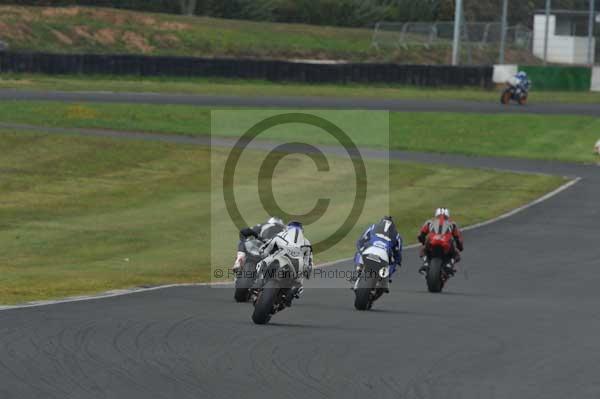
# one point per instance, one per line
(82, 215)
(215, 86)
(565, 138)
(98, 30)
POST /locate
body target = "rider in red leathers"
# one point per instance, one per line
(440, 223)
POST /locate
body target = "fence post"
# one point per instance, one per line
(591, 21)
(457, 21)
(546, 31)
(503, 31)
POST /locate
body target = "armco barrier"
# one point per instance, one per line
(559, 77)
(421, 75)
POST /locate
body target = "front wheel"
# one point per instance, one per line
(434, 275)
(505, 98)
(363, 293)
(263, 307)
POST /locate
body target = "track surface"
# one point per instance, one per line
(522, 323)
(304, 102)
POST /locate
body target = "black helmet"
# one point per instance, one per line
(387, 218)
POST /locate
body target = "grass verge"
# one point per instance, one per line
(105, 30)
(83, 215)
(552, 137)
(215, 86)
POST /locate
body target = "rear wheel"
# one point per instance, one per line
(263, 308)
(434, 275)
(363, 293)
(523, 100)
(242, 286)
(241, 294)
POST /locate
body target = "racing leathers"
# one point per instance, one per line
(440, 225)
(380, 239)
(289, 247)
(262, 231)
(520, 82)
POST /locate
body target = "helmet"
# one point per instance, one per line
(295, 225)
(522, 75)
(275, 220)
(442, 212)
(387, 218)
(294, 233)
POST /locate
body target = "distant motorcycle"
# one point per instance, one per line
(441, 262)
(514, 93)
(277, 280)
(372, 282)
(245, 269)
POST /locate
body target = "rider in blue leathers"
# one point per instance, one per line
(382, 239)
(521, 82)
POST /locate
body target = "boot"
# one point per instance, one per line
(425, 267)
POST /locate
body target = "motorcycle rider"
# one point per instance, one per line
(290, 246)
(380, 236)
(520, 82)
(441, 222)
(264, 232)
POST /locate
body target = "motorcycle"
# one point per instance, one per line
(245, 269)
(372, 282)
(441, 262)
(273, 296)
(514, 93)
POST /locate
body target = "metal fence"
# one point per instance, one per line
(480, 41)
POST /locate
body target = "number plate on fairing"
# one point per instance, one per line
(294, 252)
(384, 272)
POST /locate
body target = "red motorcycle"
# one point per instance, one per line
(439, 251)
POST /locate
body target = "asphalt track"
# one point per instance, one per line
(522, 323)
(401, 105)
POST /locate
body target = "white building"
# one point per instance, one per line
(567, 37)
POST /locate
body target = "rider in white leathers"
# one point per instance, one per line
(290, 247)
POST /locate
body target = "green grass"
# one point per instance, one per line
(216, 86)
(553, 137)
(98, 30)
(83, 215)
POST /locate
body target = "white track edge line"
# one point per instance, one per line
(123, 292)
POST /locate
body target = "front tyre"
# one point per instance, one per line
(434, 275)
(363, 293)
(263, 307)
(505, 97)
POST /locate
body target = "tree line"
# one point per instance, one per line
(328, 12)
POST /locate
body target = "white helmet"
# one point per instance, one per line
(275, 220)
(295, 233)
(442, 212)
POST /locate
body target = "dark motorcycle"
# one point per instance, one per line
(372, 282)
(439, 257)
(245, 273)
(276, 283)
(514, 93)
